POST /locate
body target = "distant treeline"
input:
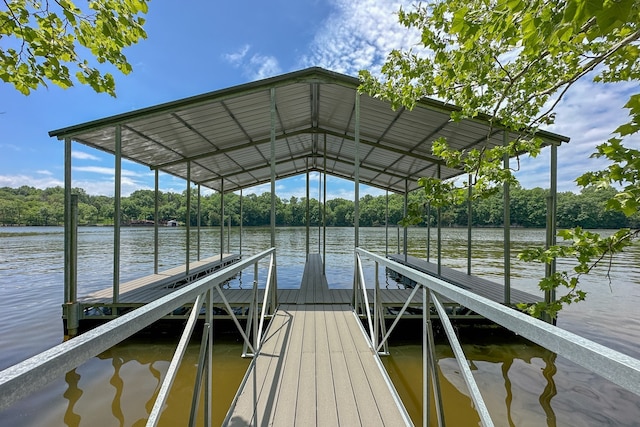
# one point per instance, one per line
(32, 206)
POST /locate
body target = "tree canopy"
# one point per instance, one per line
(42, 39)
(515, 60)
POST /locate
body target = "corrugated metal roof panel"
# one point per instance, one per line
(227, 133)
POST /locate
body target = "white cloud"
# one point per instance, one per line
(256, 66)
(15, 181)
(44, 172)
(236, 58)
(105, 171)
(359, 35)
(81, 155)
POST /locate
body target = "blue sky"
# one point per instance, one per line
(207, 46)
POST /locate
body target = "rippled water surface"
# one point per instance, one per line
(523, 384)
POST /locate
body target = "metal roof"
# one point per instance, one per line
(226, 134)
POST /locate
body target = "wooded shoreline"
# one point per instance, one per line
(29, 206)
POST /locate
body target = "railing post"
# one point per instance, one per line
(426, 407)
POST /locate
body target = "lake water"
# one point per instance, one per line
(523, 384)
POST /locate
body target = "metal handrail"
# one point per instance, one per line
(617, 367)
(24, 378)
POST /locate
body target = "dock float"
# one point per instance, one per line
(316, 368)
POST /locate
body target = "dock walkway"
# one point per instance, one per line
(148, 288)
(316, 368)
(483, 287)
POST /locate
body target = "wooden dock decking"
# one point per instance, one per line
(316, 368)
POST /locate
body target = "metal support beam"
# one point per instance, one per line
(221, 218)
(552, 203)
(156, 222)
(273, 166)
(67, 220)
(356, 161)
(507, 230)
(241, 220)
(386, 224)
(405, 231)
(188, 219)
(308, 213)
(198, 222)
(324, 207)
(439, 231)
(117, 215)
(469, 223)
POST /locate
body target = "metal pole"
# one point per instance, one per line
(428, 231)
(273, 166)
(469, 221)
(319, 209)
(356, 202)
(117, 215)
(426, 377)
(156, 221)
(308, 213)
(274, 276)
(439, 231)
(188, 219)
(405, 234)
(507, 229)
(208, 395)
(221, 218)
(324, 210)
(550, 269)
(73, 308)
(67, 220)
(241, 219)
(386, 224)
(198, 221)
(356, 216)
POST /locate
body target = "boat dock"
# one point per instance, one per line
(99, 306)
(316, 367)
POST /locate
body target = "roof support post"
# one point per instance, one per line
(324, 208)
(117, 215)
(386, 224)
(221, 217)
(319, 209)
(274, 284)
(68, 255)
(405, 234)
(552, 203)
(507, 228)
(308, 213)
(439, 230)
(356, 161)
(198, 222)
(188, 219)
(469, 222)
(156, 220)
(356, 201)
(273, 166)
(428, 231)
(71, 308)
(241, 220)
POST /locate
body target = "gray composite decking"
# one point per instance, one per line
(148, 288)
(483, 287)
(316, 368)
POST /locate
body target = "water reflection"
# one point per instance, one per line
(134, 372)
(523, 384)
